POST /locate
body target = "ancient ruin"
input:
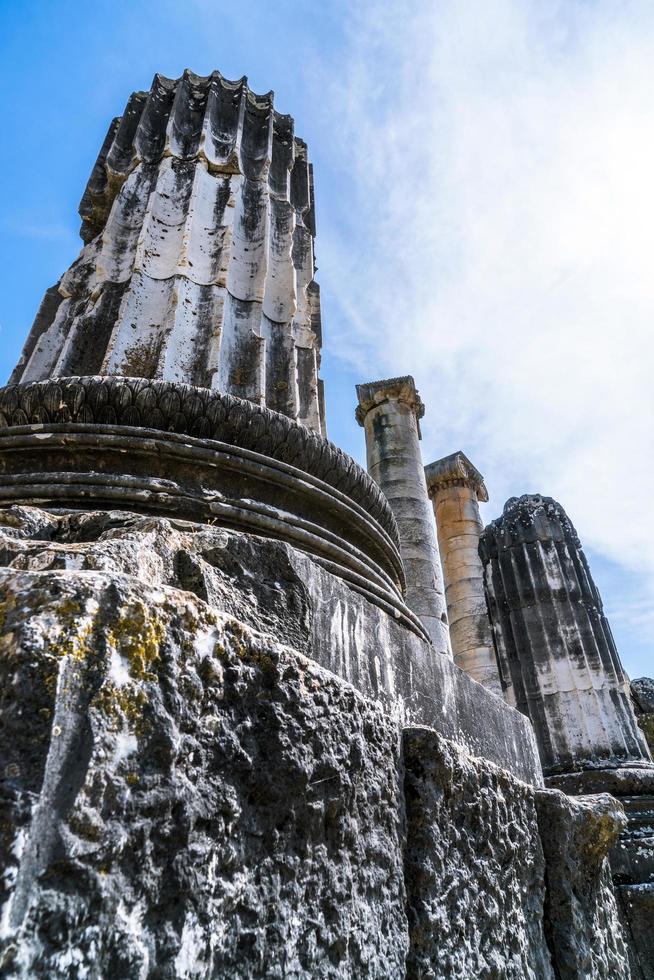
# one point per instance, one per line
(239, 737)
(456, 487)
(563, 671)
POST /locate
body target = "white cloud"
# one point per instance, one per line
(495, 236)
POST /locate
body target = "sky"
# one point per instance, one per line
(485, 215)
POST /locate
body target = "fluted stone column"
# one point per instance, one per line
(198, 266)
(554, 643)
(455, 488)
(389, 412)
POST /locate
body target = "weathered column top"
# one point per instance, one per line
(531, 517)
(455, 470)
(402, 390)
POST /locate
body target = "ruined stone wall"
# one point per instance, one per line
(185, 796)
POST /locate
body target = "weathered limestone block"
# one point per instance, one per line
(637, 907)
(582, 921)
(184, 797)
(198, 266)
(390, 413)
(456, 487)
(275, 589)
(474, 867)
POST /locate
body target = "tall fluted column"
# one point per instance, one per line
(389, 412)
(455, 488)
(198, 223)
(554, 643)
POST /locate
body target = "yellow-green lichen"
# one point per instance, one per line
(122, 705)
(239, 641)
(137, 635)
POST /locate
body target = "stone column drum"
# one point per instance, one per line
(198, 266)
(455, 488)
(554, 643)
(389, 412)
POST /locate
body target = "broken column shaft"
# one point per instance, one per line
(455, 488)
(554, 643)
(389, 412)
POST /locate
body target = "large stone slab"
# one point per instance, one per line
(184, 797)
(474, 867)
(276, 589)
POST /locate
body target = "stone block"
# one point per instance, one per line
(475, 873)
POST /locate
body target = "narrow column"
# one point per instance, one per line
(455, 488)
(389, 412)
(553, 641)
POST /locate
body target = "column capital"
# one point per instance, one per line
(455, 470)
(375, 393)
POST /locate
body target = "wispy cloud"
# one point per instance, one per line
(496, 160)
(41, 231)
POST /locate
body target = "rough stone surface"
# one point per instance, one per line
(274, 588)
(582, 919)
(474, 867)
(183, 797)
(198, 265)
(637, 908)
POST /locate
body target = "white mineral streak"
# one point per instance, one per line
(456, 487)
(389, 412)
(44, 358)
(189, 961)
(202, 269)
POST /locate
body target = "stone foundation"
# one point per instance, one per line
(185, 796)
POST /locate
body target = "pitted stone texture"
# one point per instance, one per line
(183, 797)
(275, 589)
(474, 867)
(583, 925)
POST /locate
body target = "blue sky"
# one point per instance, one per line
(485, 212)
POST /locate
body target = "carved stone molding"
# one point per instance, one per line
(175, 449)
(391, 389)
(194, 411)
(455, 470)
